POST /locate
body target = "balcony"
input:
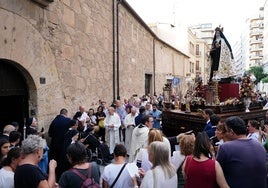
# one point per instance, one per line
(254, 25)
(254, 41)
(254, 33)
(255, 57)
(255, 49)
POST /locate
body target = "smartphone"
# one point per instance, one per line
(138, 163)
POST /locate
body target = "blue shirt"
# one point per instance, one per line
(156, 115)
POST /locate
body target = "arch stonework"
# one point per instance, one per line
(25, 47)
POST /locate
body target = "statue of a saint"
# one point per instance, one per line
(222, 60)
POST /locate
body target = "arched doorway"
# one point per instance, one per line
(13, 94)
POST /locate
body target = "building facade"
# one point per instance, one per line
(255, 40)
(265, 36)
(65, 53)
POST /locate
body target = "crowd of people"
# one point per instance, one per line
(229, 153)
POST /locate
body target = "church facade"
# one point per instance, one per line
(65, 53)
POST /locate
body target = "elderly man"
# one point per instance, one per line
(121, 111)
(112, 123)
(84, 117)
(243, 160)
(129, 126)
(6, 131)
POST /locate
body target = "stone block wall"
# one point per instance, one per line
(70, 43)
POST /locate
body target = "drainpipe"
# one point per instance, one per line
(117, 47)
(154, 64)
(113, 51)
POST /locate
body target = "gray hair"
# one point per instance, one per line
(8, 129)
(160, 155)
(32, 143)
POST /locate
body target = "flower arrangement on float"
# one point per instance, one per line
(246, 90)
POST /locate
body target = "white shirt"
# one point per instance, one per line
(6, 178)
(254, 136)
(143, 156)
(84, 117)
(177, 159)
(159, 181)
(111, 171)
(93, 120)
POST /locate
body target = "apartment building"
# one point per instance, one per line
(256, 28)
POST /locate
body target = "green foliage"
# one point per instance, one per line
(265, 80)
(258, 73)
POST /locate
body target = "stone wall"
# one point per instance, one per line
(70, 43)
(136, 54)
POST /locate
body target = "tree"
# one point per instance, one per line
(265, 80)
(258, 73)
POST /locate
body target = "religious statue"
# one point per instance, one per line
(222, 60)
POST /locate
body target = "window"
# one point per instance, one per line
(148, 83)
(197, 52)
(191, 68)
(197, 65)
(191, 46)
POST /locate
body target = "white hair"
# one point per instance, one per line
(8, 129)
(32, 143)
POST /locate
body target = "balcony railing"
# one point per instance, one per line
(254, 41)
(256, 33)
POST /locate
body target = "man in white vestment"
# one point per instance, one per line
(112, 123)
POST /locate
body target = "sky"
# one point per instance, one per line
(231, 14)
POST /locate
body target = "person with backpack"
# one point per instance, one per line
(82, 174)
(116, 174)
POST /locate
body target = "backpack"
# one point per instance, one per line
(88, 181)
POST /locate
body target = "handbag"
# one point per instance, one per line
(101, 123)
(118, 175)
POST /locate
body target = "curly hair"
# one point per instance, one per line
(187, 144)
(32, 143)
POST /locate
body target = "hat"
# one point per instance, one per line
(29, 121)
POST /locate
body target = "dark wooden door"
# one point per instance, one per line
(13, 95)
